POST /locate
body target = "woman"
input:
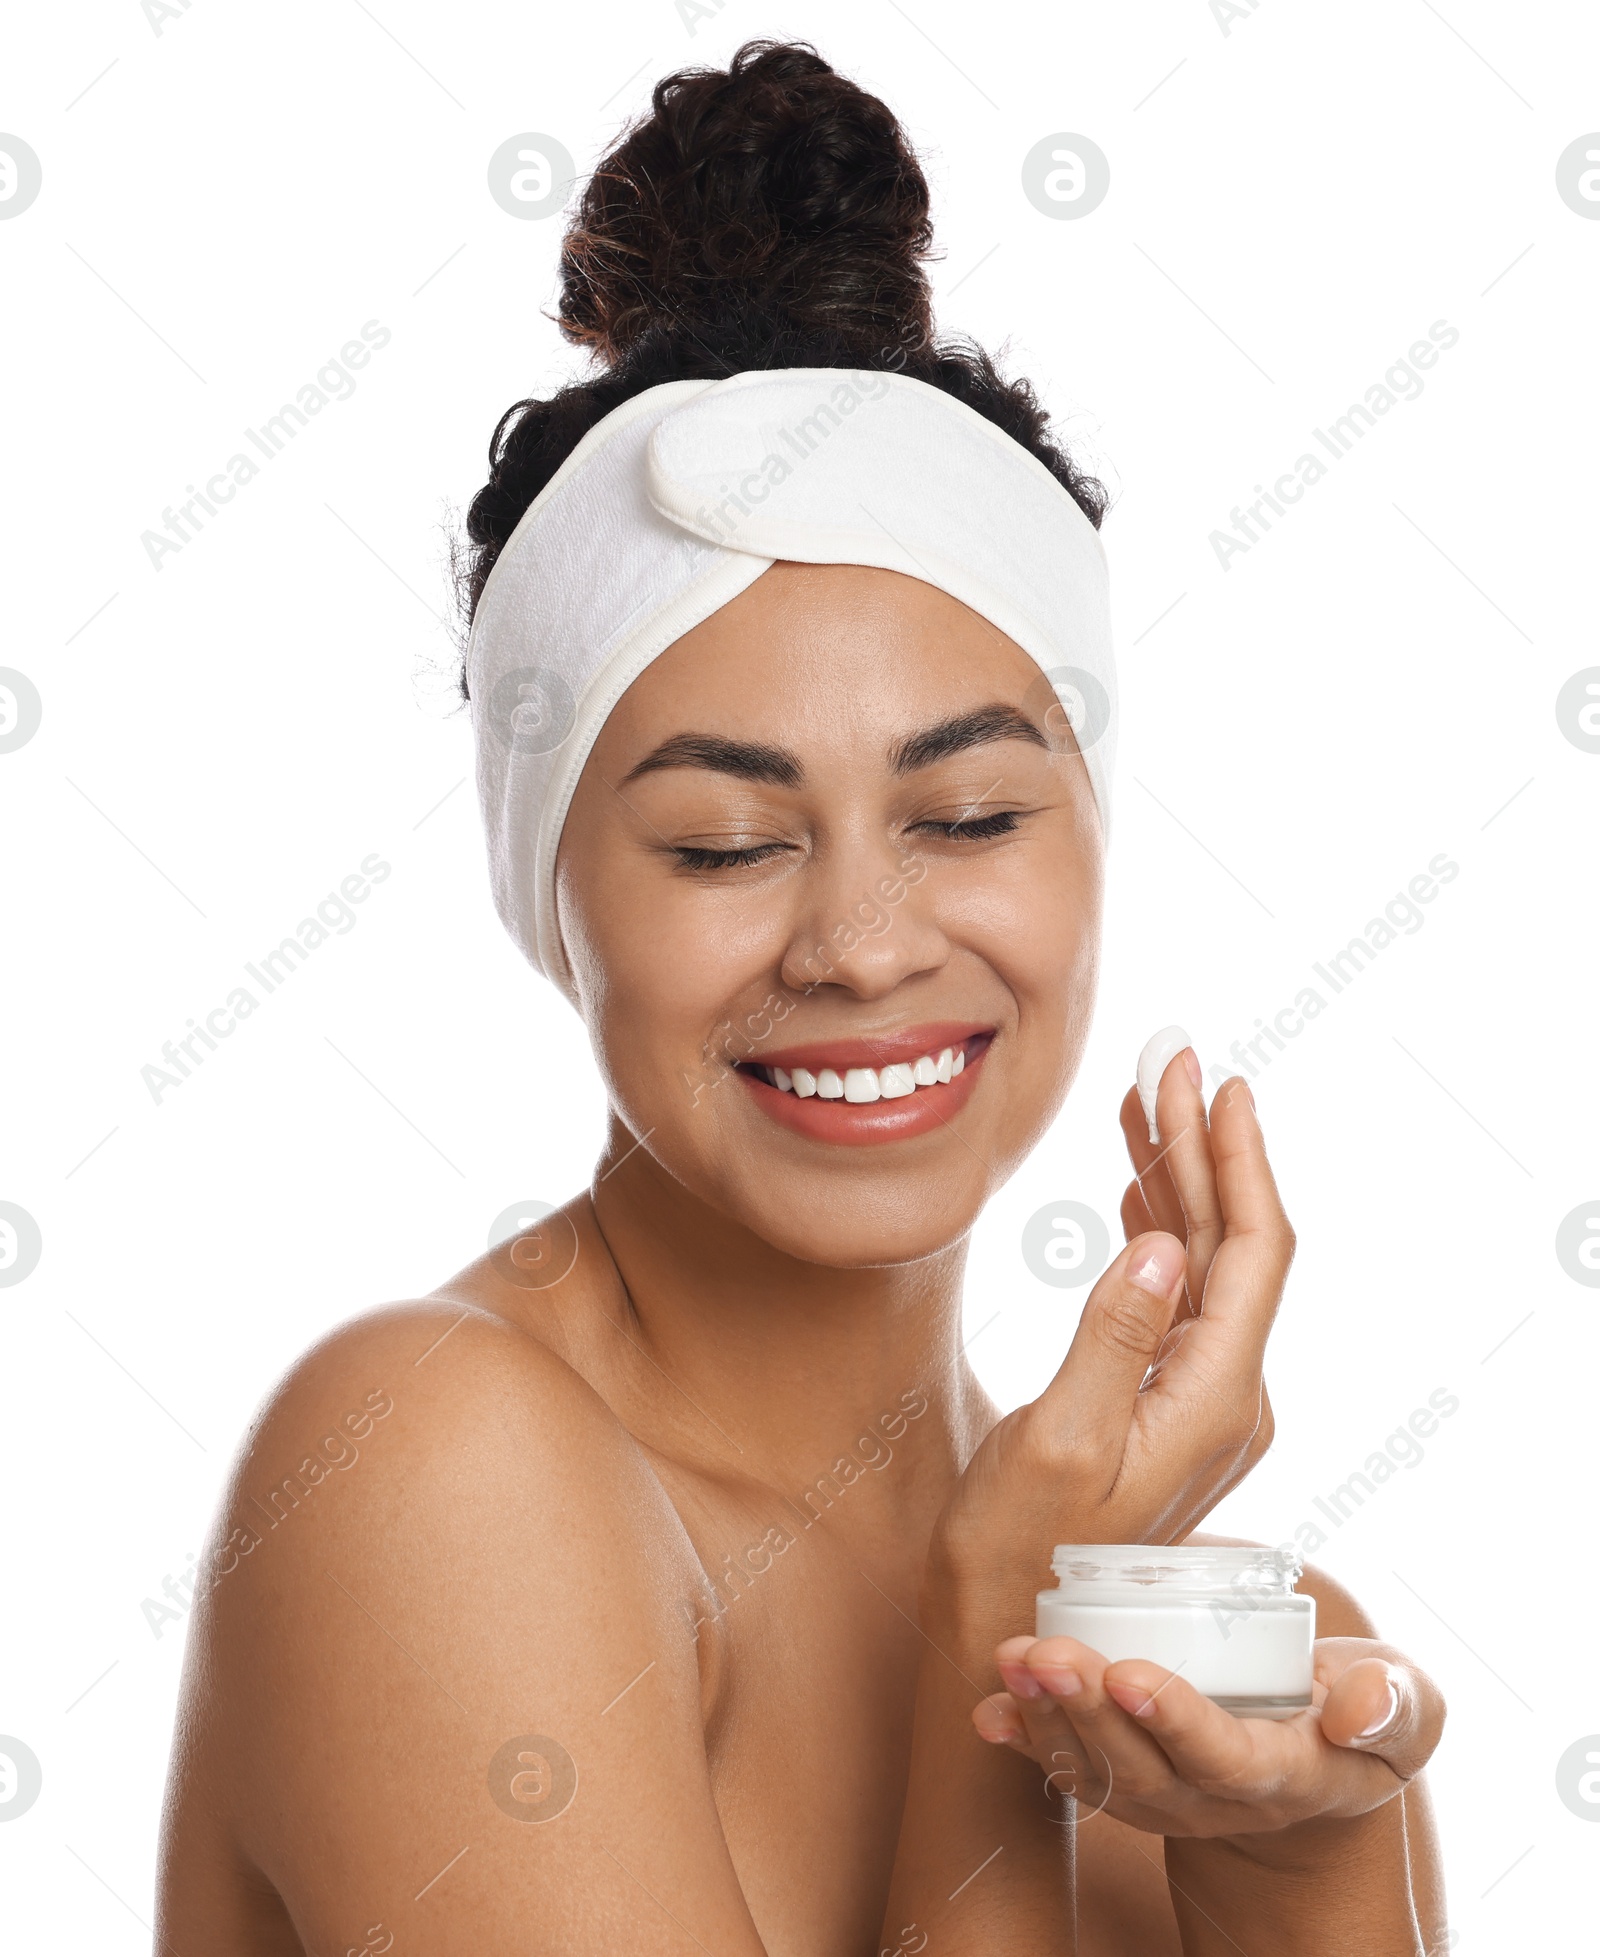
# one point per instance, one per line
(582, 1627)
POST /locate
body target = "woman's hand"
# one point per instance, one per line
(1159, 1408)
(1142, 1745)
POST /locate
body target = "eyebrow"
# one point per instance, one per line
(781, 768)
(996, 722)
(748, 760)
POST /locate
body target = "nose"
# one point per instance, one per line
(865, 924)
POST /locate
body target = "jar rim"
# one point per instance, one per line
(1176, 1566)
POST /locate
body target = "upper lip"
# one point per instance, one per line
(873, 1050)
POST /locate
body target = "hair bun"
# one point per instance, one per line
(777, 192)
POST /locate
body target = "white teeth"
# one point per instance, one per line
(866, 1084)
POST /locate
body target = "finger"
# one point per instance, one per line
(1383, 1705)
(1087, 1407)
(1205, 1746)
(1149, 1166)
(1136, 1217)
(1176, 1173)
(1186, 1143)
(998, 1720)
(1249, 1266)
(1126, 1758)
(1050, 1739)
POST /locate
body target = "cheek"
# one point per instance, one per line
(654, 984)
(1036, 919)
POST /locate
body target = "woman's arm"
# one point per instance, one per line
(1116, 1449)
(442, 1682)
(1157, 1411)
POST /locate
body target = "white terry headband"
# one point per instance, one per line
(681, 498)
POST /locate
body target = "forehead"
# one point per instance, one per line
(830, 653)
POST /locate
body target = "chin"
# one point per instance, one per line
(859, 1235)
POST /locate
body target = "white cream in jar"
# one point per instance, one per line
(1228, 1620)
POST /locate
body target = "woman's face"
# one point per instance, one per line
(831, 832)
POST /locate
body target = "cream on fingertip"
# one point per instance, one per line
(1159, 1050)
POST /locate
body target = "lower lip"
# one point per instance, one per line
(866, 1122)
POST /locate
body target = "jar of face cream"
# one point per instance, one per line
(1227, 1620)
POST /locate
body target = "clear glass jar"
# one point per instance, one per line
(1227, 1620)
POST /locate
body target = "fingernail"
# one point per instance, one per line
(1132, 1698)
(1191, 1061)
(1161, 1268)
(1021, 1683)
(1158, 1050)
(1384, 1718)
(1061, 1680)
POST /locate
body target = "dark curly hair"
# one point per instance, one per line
(773, 215)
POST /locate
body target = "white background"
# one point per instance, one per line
(1293, 203)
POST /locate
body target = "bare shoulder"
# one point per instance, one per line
(439, 1563)
(1340, 1613)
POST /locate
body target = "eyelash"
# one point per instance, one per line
(724, 859)
(977, 828)
(971, 829)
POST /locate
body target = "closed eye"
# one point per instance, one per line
(724, 859)
(977, 828)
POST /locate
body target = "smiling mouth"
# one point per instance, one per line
(861, 1086)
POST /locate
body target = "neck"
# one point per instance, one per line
(760, 1363)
